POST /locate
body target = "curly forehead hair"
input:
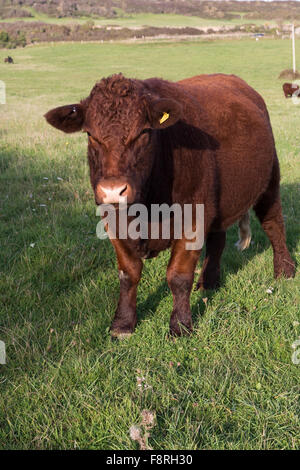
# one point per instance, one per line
(115, 98)
(114, 87)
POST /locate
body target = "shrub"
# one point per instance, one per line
(289, 74)
(4, 37)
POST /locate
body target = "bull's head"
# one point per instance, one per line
(121, 118)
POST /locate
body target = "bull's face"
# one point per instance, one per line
(121, 118)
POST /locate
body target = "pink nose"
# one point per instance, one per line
(111, 192)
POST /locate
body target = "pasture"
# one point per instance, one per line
(67, 384)
(127, 20)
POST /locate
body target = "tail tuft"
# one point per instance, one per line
(244, 233)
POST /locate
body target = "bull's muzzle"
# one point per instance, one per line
(113, 191)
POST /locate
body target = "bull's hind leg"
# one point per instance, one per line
(210, 274)
(269, 212)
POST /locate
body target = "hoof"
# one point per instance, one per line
(286, 269)
(179, 329)
(208, 284)
(120, 334)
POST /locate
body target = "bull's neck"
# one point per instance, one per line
(160, 182)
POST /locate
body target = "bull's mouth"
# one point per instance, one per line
(118, 205)
(123, 201)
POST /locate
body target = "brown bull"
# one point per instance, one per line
(289, 89)
(205, 139)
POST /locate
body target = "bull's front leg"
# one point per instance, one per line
(130, 270)
(180, 276)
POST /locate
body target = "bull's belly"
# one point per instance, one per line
(240, 189)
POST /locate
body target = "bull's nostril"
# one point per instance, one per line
(123, 190)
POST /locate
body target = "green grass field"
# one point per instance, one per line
(142, 19)
(67, 384)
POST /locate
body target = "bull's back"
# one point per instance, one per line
(238, 118)
(227, 82)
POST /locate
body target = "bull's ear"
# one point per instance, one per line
(163, 113)
(69, 118)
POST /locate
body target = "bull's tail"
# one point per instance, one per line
(244, 233)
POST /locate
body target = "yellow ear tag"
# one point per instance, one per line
(165, 116)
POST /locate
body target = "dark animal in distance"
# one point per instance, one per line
(9, 60)
(289, 89)
(215, 148)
